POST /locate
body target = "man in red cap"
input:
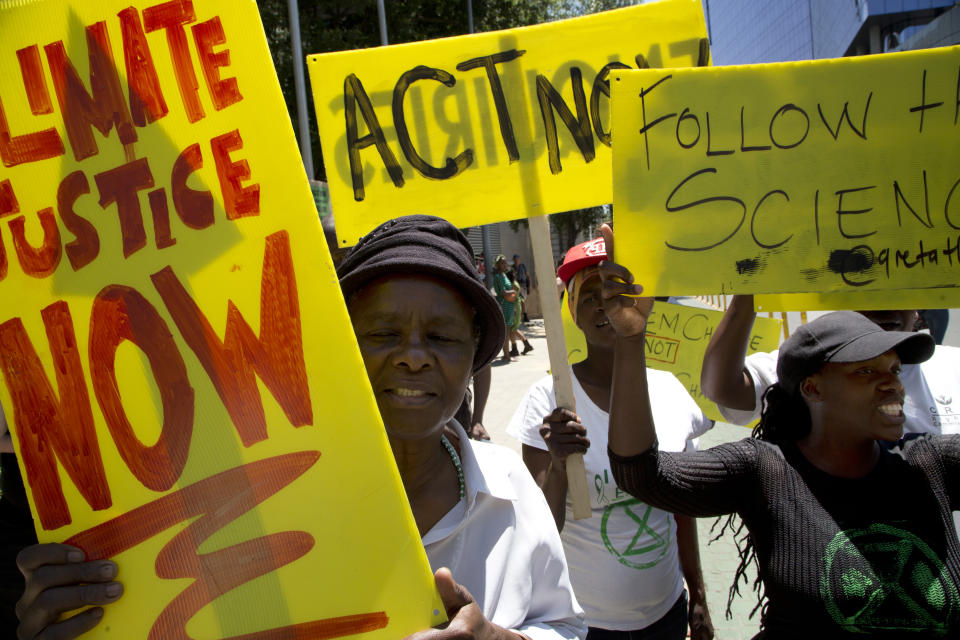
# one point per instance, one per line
(628, 562)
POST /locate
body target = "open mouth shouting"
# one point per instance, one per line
(892, 409)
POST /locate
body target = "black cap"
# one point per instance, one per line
(844, 336)
(432, 246)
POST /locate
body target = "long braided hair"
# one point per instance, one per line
(784, 418)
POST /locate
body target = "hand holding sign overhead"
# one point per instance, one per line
(627, 313)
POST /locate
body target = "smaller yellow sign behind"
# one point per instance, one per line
(677, 336)
(491, 126)
(818, 176)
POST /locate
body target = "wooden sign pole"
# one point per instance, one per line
(543, 266)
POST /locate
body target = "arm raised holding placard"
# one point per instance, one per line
(809, 486)
(723, 378)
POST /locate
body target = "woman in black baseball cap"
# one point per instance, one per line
(850, 526)
(425, 323)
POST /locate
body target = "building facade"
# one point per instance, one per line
(757, 31)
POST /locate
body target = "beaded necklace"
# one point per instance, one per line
(456, 464)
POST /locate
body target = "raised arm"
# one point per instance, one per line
(631, 419)
(724, 378)
(712, 482)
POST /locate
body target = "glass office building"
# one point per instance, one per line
(752, 31)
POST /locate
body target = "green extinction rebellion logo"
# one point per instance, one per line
(648, 547)
(882, 578)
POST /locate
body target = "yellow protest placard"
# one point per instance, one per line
(677, 337)
(944, 298)
(491, 126)
(817, 176)
(181, 379)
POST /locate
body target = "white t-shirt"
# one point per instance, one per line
(931, 387)
(623, 561)
(500, 542)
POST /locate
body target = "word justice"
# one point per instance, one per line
(121, 186)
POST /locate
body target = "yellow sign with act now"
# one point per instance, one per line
(491, 126)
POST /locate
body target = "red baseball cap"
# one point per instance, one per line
(581, 256)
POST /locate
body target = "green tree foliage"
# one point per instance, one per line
(571, 226)
(337, 25)
(573, 8)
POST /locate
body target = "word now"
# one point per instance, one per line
(54, 427)
(581, 126)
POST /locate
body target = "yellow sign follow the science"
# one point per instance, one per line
(677, 337)
(491, 126)
(181, 378)
(820, 176)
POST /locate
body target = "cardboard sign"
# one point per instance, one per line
(677, 337)
(820, 176)
(181, 379)
(946, 298)
(491, 126)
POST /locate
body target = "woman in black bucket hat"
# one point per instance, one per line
(424, 323)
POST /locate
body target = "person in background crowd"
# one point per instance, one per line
(936, 320)
(520, 271)
(518, 314)
(424, 323)
(628, 562)
(736, 382)
(16, 530)
(840, 554)
(507, 296)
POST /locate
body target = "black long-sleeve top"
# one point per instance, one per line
(838, 557)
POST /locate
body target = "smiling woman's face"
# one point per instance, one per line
(417, 341)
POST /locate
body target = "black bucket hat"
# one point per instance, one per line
(844, 336)
(432, 246)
